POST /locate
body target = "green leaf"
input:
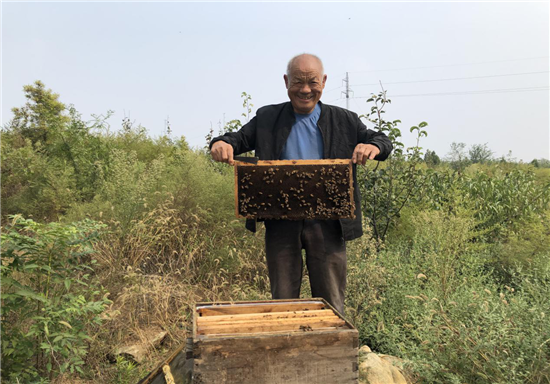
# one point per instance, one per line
(66, 324)
(31, 266)
(27, 292)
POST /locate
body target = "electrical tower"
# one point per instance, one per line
(347, 91)
(167, 127)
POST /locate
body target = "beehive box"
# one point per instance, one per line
(301, 341)
(295, 189)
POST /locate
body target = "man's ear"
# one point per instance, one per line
(286, 81)
(324, 80)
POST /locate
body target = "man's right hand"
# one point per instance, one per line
(222, 152)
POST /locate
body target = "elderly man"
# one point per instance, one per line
(305, 128)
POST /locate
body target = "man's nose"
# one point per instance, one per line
(305, 88)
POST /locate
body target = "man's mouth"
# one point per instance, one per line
(305, 98)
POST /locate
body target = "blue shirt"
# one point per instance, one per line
(305, 141)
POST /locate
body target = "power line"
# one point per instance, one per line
(331, 101)
(333, 89)
(359, 108)
(453, 78)
(506, 90)
(451, 65)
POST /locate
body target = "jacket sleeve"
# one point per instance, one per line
(243, 140)
(368, 136)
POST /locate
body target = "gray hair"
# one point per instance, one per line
(291, 62)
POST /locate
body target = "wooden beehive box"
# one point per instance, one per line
(300, 341)
(295, 189)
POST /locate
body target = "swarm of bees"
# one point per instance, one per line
(295, 192)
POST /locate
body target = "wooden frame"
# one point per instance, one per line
(306, 189)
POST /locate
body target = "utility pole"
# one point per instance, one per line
(167, 128)
(347, 91)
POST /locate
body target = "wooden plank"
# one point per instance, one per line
(271, 333)
(307, 358)
(266, 316)
(298, 326)
(181, 366)
(214, 310)
(278, 341)
(269, 301)
(246, 322)
(305, 368)
(297, 162)
(236, 189)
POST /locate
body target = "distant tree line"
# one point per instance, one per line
(459, 157)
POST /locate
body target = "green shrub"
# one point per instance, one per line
(34, 184)
(527, 244)
(127, 372)
(49, 298)
(387, 188)
(441, 309)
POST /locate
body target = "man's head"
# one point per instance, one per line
(305, 81)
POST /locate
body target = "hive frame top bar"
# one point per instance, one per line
(252, 303)
(295, 162)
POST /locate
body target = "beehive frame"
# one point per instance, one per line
(295, 189)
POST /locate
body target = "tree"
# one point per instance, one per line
(235, 124)
(431, 158)
(41, 115)
(480, 153)
(541, 163)
(50, 156)
(388, 188)
(457, 156)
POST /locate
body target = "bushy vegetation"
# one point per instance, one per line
(49, 299)
(106, 234)
(170, 237)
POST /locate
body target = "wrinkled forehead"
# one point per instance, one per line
(306, 68)
(305, 76)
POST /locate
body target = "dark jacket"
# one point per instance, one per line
(341, 129)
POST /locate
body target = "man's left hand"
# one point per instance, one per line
(364, 152)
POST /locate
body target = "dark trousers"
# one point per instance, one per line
(325, 259)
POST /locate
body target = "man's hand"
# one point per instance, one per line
(222, 152)
(364, 152)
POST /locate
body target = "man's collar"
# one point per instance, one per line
(290, 110)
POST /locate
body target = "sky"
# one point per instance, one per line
(476, 72)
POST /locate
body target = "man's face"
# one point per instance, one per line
(305, 84)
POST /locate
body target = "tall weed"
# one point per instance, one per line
(441, 309)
